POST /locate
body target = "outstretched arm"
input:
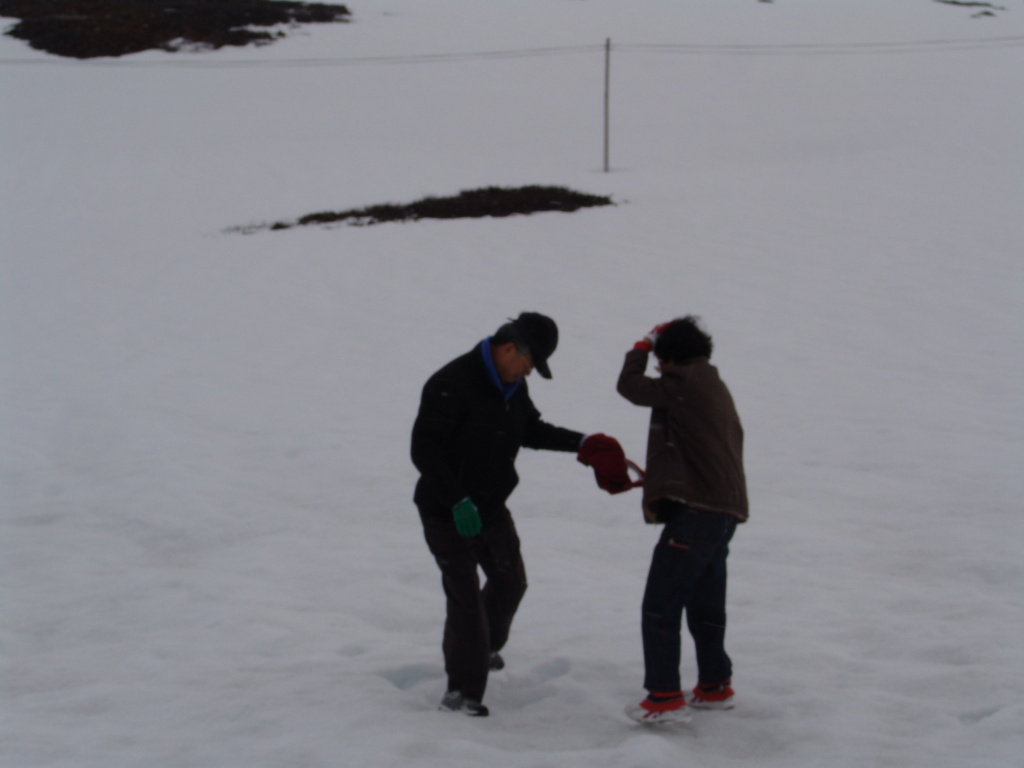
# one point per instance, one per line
(544, 436)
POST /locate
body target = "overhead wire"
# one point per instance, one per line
(693, 49)
(423, 58)
(820, 49)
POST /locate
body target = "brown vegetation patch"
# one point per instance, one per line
(85, 29)
(971, 4)
(471, 204)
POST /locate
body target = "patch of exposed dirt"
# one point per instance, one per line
(989, 7)
(85, 29)
(471, 204)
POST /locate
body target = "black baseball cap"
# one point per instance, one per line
(541, 335)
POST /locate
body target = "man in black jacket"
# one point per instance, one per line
(475, 414)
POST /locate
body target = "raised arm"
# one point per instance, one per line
(640, 389)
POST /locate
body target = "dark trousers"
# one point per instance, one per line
(478, 620)
(687, 573)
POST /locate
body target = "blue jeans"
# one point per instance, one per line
(687, 573)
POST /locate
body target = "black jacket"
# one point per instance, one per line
(466, 438)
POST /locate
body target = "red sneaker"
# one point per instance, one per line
(660, 709)
(718, 696)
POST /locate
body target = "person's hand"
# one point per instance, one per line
(647, 342)
(467, 518)
(608, 460)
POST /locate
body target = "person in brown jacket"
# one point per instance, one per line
(694, 485)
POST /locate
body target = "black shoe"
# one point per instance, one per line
(495, 662)
(454, 701)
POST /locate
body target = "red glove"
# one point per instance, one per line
(647, 342)
(606, 456)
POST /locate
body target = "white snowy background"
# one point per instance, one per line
(209, 553)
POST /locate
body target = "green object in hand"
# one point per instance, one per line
(467, 518)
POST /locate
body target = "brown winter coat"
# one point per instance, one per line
(695, 442)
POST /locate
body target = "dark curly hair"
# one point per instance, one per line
(683, 339)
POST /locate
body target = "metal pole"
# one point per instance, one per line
(607, 92)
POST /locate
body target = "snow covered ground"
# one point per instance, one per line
(209, 554)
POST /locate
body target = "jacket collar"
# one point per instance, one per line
(507, 390)
(683, 367)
